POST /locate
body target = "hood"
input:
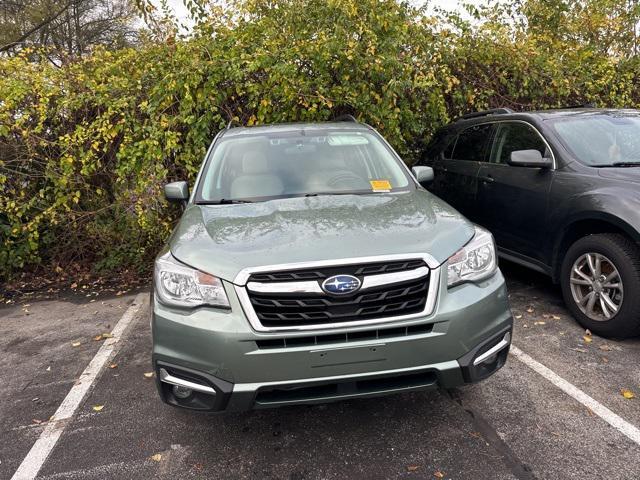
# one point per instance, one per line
(629, 174)
(224, 239)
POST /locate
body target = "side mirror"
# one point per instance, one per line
(529, 158)
(423, 174)
(177, 192)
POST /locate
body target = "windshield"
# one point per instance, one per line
(602, 140)
(282, 164)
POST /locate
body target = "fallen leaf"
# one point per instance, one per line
(518, 317)
(113, 365)
(581, 350)
(628, 394)
(97, 338)
(49, 368)
(76, 344)
(587, 339)
(157, 457)
(148, 374)
(412, 468)
(605, 348)
(97, 408)
(438, 474)
(530, 310)
(36, 421)
(74, 285)
(605, 359)
(555, 317)
(107, 335)
(539, 323)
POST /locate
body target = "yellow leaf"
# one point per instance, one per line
(148, 374)
(97, 338)
(587, 339)
(75, 344)
(157, 457)
(438, 474)
(628, 394)
(97, 408)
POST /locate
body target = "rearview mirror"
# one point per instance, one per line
(177, 192)
(529, 158)
(423, 174)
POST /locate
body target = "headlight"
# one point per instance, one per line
(475, 261)
(181, 286)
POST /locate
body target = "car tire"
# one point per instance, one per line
(601, 257)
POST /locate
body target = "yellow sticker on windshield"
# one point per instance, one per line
(380, 185)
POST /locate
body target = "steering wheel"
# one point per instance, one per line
(350, 179)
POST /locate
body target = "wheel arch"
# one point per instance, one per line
(588, 224)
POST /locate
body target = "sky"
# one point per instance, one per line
(182, 13)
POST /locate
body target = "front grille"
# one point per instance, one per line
(278, 310)
(358, 270)
(347, 337)
(299, 393)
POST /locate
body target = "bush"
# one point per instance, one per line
(85, 148)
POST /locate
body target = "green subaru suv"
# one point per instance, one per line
(310, 266)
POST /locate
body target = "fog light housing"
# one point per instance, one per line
(182, 392)
(490, 355)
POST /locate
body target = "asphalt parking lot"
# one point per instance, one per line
(522, 423)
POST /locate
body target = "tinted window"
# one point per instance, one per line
(516, 136)
(472, 143)
(440, 146)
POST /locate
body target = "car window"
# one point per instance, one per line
(472, 143)
(601, 140)
(281, 164)
(440, 146)
(512, 136)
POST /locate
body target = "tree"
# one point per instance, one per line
(70, 27)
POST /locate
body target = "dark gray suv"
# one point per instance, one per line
(559, 189)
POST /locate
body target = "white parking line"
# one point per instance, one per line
(38, 454)
(617, 422)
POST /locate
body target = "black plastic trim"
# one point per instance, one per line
(222, 387)
(474, 373)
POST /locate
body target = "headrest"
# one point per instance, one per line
(254, 162)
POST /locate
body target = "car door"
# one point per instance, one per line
(512, 201)
(456, 168)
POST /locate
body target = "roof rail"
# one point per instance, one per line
(484, 113)
(583, 105)
(345, 118)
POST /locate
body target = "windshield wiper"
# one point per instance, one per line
(624, 164)
(224, 201)
(315, 194)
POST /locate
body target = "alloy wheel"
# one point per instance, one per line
(596, 286)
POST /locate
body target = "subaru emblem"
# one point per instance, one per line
(341, 284)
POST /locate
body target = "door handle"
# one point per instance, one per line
(487, 179)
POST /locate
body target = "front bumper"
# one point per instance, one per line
(218, 350)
